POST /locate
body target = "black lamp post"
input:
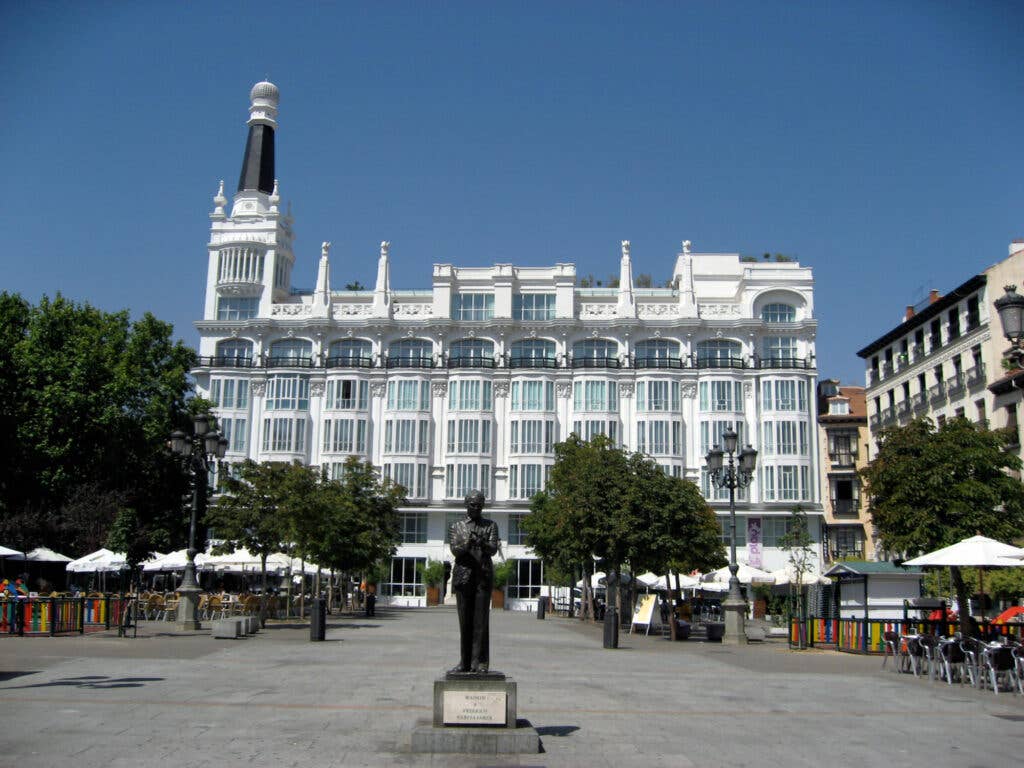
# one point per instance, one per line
(199, 451)
(1011, 314)
(732, 475)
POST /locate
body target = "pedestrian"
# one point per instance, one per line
(371, 604)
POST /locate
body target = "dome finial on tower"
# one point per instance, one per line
(258, 162)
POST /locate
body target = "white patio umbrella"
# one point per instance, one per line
(244, 561)
(100, 561)
(173, 561)
(596, 580)
(651, 581)
(787, 575)
(8, 552)
(975, 552)
(46, 555)
(747, 574)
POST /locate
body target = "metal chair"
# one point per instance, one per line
(930, 651)
(951, 656)
(1000, 662)
(915, 653)
(891, 646)
(972, 649)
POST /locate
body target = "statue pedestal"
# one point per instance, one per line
(475, 714)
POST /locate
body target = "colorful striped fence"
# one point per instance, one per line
(867, 635)
(61, 615)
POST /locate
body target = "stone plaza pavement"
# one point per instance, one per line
(277, 699)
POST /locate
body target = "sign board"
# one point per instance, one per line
(474, 707)
(754, 542)
(645, 613)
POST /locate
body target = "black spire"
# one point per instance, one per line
(258, 161)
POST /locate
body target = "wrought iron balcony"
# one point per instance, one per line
(348, 361)
(596, 362)
(658, 362)
(286, 361)
(532, 362)
(471, 362)
(410, 362)
(846, 507)
(976, 376)
(721, 362)
(842, 458)
(937, 391)
(222, 361)
(955, 384)
(786, 362)
(919, 400)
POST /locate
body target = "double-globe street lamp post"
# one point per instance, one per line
(199, 450)
(1010, 307)
(732, 475)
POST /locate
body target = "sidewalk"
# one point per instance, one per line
(277, 699)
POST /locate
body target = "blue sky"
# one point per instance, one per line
(879, 143)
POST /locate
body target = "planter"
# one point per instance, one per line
(433, 595)
(498, 598)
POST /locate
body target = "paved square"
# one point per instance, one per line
(277, 699)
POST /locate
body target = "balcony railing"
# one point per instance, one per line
(348, 361)
(937, 391)
(845, 507)
(786, 362)
(874, 376)
(532, 362)
(847, 553)
(917, 351)
(285, 361)
(888, 415)
(471, 362)
(918, 401)
(410, 362)
(976, 376)
(842, 458)
(720, 362)
(955, 384)
(903, 408)
(658, 362)
(596, 362)
(221, 361)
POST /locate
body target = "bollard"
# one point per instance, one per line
(542, 607)
(318, 619)
(611, 628)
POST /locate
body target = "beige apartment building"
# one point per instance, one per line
(843, 439)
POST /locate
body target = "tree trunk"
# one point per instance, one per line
(263, 589)
(968, 626)
(587, 604)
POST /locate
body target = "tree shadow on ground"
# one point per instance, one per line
(92, 682)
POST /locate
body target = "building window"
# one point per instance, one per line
(346, 395)
(408, 395)
(291, 351)
(287, 393)
(784, 438)
(657, 396)
(839, 407)
(527, 480)
(469, 436)
(721, 396)
(535, 352)
(473, 306)
(412, 351)
(414, 527)
(533, 306)
(471, 349)
(284, 435)
(778, 313)
(412, 476)
(461, 479)
(658, 437)
(773, 529)
(954, 323)
(741, 530)
(783, 395)
(779, 347)
(230, 393)
(235, 431)
(595, 396)
(713, 492)
(711, 434)
(847, 542)
(532, 436)
(406, 580)
(516, 534)
(407, 436)
(237, 307)
(533, 396)
(527, 579)
(352, 351)
(345, 436)
(719, 353)
(656, 350)
(469, 395)
(234, 351)
(595, 349)
(973, 313)
(588, 429)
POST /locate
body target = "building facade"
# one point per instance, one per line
(470, 382)
(943, 359)
(843, 439)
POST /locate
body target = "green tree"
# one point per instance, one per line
(87, 399)
(930, 488)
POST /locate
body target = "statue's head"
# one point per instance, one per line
(475, 504)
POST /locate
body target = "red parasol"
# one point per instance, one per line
(1009, 613)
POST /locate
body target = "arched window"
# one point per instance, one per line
(532, 353)
(778, 313)
(719, 353)
(236, 353)
(471, 353)
(657, 353)
(411, 353)
(595, 353)
(291, 352)
(350, 353)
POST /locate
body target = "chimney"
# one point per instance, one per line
(910, 312)
(1016, 245)
(933, 296)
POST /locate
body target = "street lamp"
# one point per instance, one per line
(732, 474)
(199, 450)
(1011, 314)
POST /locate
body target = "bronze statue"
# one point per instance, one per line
(473, 541)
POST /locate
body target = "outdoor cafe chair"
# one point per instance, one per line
(1018, 658)
(999, 661)
(915, 653)
(972, 649)
(891, 641)
(951, 656)
(930, 651)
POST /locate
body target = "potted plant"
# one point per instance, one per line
(432, 574)
(502, 575)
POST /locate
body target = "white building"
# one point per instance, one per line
(470, 382)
